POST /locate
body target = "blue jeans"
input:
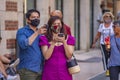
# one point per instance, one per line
(114, 72)
(29, 75)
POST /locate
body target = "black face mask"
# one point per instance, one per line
(35, 22)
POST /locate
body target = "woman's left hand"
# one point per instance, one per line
(61, 38)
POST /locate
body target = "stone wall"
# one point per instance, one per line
(11, 19)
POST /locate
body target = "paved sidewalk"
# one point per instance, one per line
(90, 63)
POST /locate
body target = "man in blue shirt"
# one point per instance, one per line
(30, 54)
(114, 62)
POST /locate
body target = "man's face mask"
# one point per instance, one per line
(35, 22)
(55, 29)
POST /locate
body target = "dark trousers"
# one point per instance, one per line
(29, 75)
(105, 55)
(114, 72)
(2, 79)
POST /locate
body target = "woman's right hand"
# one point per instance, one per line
(54, 39)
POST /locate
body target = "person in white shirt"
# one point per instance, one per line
(104, 32)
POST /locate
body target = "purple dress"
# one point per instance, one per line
(55, 68)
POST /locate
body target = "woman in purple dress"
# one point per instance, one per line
(57, 48)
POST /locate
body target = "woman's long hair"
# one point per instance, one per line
(49, 34)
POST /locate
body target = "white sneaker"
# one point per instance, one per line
(15, 63)
(9, 77)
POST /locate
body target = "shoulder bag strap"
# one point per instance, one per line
(73, 56)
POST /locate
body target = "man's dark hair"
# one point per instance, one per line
(28, 14)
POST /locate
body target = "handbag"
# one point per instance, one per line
(73, 66)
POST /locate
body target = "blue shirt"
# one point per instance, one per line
(30, 55)
(115, 53)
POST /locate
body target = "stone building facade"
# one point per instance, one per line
(11, 17)
(80, 15)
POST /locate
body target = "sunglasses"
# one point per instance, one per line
(107, 16)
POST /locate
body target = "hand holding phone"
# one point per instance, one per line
(61, 37)
(61, 34)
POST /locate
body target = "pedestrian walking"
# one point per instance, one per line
(100, 15)
(104, 32)
(57, 48)
(30, 54)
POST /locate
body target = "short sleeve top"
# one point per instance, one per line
(44, 40)
(105, 32)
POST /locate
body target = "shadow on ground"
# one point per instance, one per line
(93, 59)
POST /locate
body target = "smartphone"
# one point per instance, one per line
(60, 34)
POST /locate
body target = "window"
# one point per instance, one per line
(28, 4)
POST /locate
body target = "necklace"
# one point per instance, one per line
(58, 44)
